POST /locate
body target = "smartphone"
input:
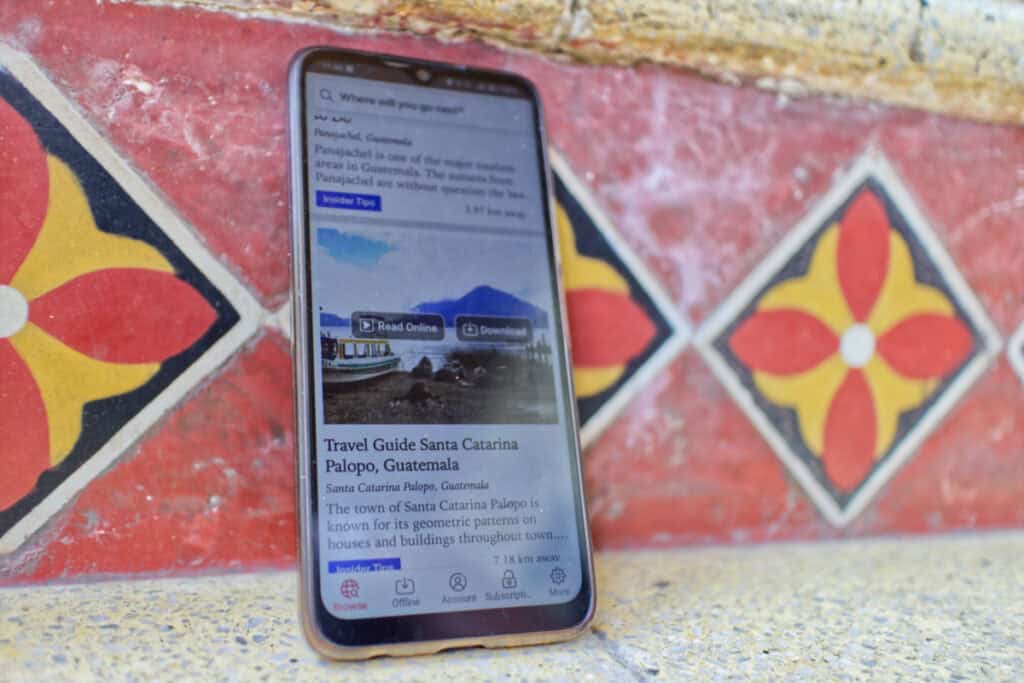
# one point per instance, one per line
(439, 486)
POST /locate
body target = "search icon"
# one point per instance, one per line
(325, 94)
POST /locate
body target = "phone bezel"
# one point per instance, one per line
(416, 633)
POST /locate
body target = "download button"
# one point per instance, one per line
(491, 329)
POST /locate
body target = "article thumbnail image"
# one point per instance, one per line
(467, 331)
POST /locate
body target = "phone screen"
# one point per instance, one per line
(444, 456)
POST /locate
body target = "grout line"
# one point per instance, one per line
(280, 320)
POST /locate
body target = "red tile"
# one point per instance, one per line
(968, 179)
(970, 474)
(684, 465)
(210, 488)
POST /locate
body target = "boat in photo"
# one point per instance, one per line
(355, 360)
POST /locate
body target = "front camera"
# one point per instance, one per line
(423, 75)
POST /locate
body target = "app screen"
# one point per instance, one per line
(443, 468)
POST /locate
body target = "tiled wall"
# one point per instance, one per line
(822, 297)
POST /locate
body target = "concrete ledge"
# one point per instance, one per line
(936, 608)
(961, 57)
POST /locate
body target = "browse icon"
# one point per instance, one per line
(350, 588)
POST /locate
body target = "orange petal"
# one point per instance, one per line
(863, 256)
(125, 315)
(850, 433)
(24, 448)
(926, 346)
(607, 328)
(24, 189)
(783, 342)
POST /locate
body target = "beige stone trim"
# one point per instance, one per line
(961, 57)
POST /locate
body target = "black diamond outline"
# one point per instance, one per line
(594, 244)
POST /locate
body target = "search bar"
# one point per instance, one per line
(368, 117)
(414, 103)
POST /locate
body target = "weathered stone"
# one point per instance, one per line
(955, 56)
(537, 23)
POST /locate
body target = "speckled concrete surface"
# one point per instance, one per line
(938, 609)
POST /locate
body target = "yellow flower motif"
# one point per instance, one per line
(81, 310)
(854, 343)
(608, 329)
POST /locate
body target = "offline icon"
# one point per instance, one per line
(405, 586)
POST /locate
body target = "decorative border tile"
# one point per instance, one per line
(869, 173)
(598, 412)
(184, 241)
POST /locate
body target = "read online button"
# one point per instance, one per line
(377, 325)
(486, 328)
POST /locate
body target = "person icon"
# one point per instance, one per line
(458, 582)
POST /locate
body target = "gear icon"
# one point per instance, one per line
(558, 576)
